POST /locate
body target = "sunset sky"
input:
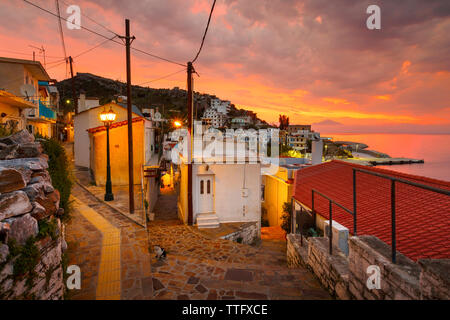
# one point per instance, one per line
(313, 60)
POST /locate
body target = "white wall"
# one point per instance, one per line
(228, 184)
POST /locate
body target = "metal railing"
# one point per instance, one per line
(393, 180)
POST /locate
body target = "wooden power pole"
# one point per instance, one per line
(190, 70)
(74, 94)
(128, 41)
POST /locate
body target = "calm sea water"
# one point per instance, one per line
(434, 149)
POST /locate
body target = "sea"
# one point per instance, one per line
(434, 149)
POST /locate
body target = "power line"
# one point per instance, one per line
(103, 36)
(61, 29)
(95, 47)
(97, 23)
(163, 77)
(206, 31)
(59, 17)
(157, 57)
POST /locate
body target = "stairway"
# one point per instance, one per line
(207, 220)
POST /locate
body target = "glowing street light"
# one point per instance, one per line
(108, 117)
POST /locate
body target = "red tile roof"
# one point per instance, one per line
(114, 125)
(422, 216)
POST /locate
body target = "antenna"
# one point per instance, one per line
(27, 90)
(41, 51)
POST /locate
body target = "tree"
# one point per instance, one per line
(286, 223)
(284, 122)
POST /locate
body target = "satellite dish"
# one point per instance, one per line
(27, 90)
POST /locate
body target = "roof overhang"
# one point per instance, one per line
(35, 67)
(12, 100)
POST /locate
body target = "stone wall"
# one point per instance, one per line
(31, 240)
(346, 277)
(248, 233)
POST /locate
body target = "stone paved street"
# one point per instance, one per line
(85, 251)
(200, 267)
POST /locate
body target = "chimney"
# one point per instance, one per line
(82, 102)
(316, 152)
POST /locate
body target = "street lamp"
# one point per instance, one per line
(108, 117)
(177, 124)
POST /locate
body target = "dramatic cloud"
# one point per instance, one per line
(311, 59)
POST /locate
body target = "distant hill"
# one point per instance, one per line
(171, 102)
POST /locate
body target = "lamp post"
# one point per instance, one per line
(108, 117)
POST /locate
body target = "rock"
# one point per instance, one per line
(8, 152)
(11, 180)
(20, 137)
(39, 212)
(4, 252)
(33, 164)
(29, 150)
(22, 228)
(39, 189)
(50, 202)
(63, 245)
(14, 204)
(4, 230)
(60, 212)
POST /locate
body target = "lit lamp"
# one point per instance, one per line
(108, 117)
(177, 124)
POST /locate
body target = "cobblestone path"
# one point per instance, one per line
(88, 241)
(198, 267)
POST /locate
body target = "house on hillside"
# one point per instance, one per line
(29, 80)
(422, 216)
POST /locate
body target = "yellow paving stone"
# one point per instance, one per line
(109, 281)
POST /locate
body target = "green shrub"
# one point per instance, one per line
(48, 228)
(59, 170)
(286, 217)
(27, 257)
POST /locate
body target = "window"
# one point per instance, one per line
(208, 187)
(263, 188)
(201, 186)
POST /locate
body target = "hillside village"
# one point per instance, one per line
(212, 217)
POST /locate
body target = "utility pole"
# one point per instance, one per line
(190, 70)
(74, 95)
(128, 41)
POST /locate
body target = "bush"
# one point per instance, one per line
(59, 170)
(286, 223)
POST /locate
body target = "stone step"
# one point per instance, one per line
(208, 220)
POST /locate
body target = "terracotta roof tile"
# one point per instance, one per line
(422, 216)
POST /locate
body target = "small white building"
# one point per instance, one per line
(211, 117)
(221, 106)
(225, 189)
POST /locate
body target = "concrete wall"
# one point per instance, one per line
(229, 203)
(248, 233)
